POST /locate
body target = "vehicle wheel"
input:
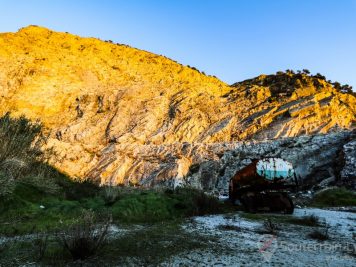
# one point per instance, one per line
(249, 203)
(288, 204)
(231, 196)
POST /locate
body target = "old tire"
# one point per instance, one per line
(288, 204)
(249, 203)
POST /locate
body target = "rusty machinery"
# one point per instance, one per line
(263, 185)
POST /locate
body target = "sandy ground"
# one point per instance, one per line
(237, 241)
(244, 245)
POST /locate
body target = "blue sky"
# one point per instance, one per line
(232, 39)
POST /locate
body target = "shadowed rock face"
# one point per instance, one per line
(120, 115)
(348, 173)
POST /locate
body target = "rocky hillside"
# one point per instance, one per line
(318, 159)
(111, 110)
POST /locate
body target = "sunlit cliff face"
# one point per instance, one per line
(94, 96)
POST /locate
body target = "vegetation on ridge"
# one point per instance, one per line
(287, 82)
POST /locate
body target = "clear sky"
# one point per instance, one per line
(232, 39)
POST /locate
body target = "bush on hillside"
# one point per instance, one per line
(110, 195)
(21, 157)
(335, 197)
(20, 141)
(197, 202)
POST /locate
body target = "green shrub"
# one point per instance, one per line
(153, 206)
(110, 195)
(196, 202)
(20, 140)
(78, 190)
(335, 197)
(144, 207)
(7, 185)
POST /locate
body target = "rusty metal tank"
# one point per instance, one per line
(263, 185)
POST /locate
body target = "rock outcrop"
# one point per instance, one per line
(120, 115)
(348, 173)
(210, 166)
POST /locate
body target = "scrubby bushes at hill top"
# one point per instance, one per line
(291, 80)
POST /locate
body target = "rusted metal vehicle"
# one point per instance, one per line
(263, 185)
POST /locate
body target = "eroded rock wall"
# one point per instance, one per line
(210, 166)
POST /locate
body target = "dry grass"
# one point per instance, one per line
(86, 238)
(320, 234)
(270, 227)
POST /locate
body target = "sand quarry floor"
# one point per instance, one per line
(240, 239)
(244, 242)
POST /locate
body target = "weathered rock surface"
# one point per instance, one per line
(348, 173)
(117, 114)
(315, 158)
(210, 166)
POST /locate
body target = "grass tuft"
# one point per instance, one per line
(319, 235)
(270, 227)
(86, 238)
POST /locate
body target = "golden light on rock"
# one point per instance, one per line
(94, 96)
